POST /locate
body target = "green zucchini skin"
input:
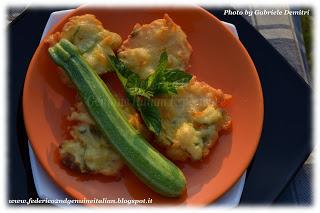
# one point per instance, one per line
(156, 171)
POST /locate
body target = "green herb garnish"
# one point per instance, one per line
(139, 92)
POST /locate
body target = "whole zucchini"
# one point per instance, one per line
(156, 171)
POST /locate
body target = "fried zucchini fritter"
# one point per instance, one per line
(191, 121)
(141, 51)
(94, 42)
(88, 151)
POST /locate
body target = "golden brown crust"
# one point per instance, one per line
(192, 120)
(88, 151)
(94, 42)
(142, 50)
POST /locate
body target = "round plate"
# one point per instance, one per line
(218, 58)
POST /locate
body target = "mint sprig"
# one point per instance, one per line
(140, 92)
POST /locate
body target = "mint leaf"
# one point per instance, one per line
(140, 92)
(135, 91)
(177, 77)
(164, 81)
(150, 114)
(135, 86)
(130, 80)
(155, 77)
(165, 88)
(170, 81)
(163, 62)
(121, 70)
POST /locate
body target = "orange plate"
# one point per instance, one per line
(218, 59)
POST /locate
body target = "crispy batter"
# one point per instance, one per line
(94, 42)
(141, 51)
(191, 120)
(88, 151)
